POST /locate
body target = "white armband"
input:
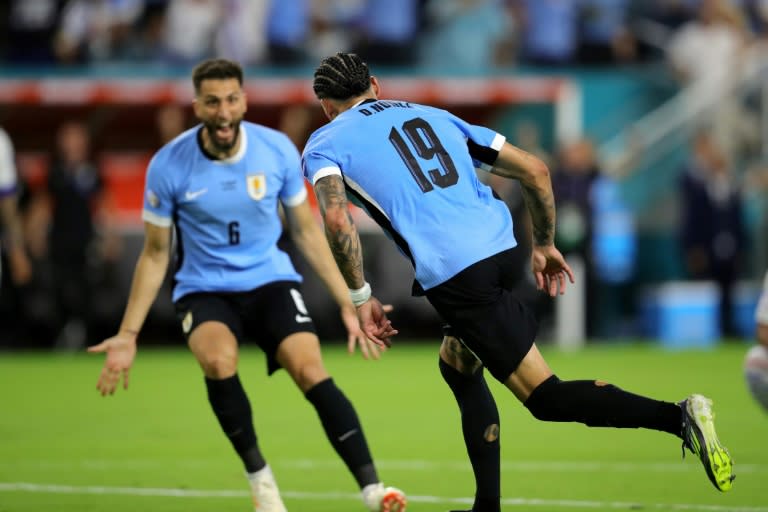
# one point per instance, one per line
(361, 295)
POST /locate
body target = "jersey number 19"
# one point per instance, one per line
(424, 139)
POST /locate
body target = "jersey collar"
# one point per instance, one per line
(243, 134)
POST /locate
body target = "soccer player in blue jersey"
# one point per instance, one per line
(412, 168)
(220, 185)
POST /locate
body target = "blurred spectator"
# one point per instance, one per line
(718, 33)
(241, 33)
(453, 41)
(712, 230)
(10, 223)
(170, 121)
(96, 30)
(146, 40)
(28, 31)
(550, 34)
(389, 31)
(288, 27)
(604, 36)
(190, 28)
(573, 177)
(334, 26)
(75, 193)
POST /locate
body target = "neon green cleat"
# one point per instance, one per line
(700, 438)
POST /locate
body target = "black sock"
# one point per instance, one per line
(601, 405)
(343, 429)
(480, 426)
(233, 410)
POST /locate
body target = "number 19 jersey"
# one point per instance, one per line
(225, 211)
(412, 168)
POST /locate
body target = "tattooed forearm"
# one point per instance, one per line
(340, 230)
(542, 209)
(346, 249)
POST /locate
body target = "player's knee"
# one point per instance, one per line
(454, 354)
(218, 365)
(306, 376)
(544, 403)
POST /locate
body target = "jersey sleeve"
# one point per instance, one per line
(484, 144)
(316, 161)
(294, 192)
(7, 166)
(159, 202)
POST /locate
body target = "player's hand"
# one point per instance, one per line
(374, 322)
(550, 269)
(356, 337)
(120, 350)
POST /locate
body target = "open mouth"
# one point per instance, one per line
(224, 132)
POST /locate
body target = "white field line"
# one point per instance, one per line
(681, 466)
(337, 496)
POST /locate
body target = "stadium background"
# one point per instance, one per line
(613, 93)
(611, 87)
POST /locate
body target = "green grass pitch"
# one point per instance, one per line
(157, 447)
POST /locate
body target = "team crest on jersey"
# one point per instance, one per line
(152, 199)
(257, 186)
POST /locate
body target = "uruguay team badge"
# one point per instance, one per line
(257, 186)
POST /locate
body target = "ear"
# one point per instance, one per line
(196, 108)
(375, 86)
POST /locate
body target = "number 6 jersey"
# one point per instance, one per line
(412, 168)
(224, 211)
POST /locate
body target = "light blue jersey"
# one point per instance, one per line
(225, 211)
(412, 167)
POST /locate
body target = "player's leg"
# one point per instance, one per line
(209, 323)
(463, 372)
(599, 404)
(299, 354)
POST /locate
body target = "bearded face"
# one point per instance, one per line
(220, 106)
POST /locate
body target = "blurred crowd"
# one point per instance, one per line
(76, 291)
(465, 34)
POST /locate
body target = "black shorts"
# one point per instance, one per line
(488, 318)
(266, 315)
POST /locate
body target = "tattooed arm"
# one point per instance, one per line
(345, 245)
(536, 186)
(340, 230)
(549, 266)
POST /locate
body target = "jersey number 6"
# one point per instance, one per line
(427, 145)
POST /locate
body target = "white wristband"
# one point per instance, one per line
(361, 295)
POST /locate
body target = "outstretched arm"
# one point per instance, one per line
(147, 279)
(549, 266)
(344, 242)
(308, 237)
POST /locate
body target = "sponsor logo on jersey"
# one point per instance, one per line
(257, 186)
(191, 195)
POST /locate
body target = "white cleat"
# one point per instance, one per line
(384, 499)
(264, 492)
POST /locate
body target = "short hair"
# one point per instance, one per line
(341, 76)
(216, 69)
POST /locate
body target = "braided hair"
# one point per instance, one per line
(341, 76)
